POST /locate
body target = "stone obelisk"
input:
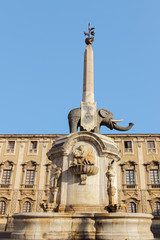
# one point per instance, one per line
(88, 76)
(88, 105)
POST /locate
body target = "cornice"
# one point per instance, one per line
(43, 136)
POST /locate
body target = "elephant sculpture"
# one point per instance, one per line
(104, 118)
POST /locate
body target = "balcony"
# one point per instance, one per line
(155, 185)
(28, 189)
(10, 150)
(153, 188)
(151, 150)
(130, 185)
(28, 185)
(128, 150)
(34, 150)
(4, 185)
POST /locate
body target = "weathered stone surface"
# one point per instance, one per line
(88, 78)
(84, 159)
(85, 167)
(88, 116)
(117, 226)
(89, 170)
(65, 226)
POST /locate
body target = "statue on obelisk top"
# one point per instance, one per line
(88, 117)
(89, 39)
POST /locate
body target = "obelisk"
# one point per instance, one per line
(88, 76)
(88, 105)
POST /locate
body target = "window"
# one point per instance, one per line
(30, 178)
(154, 176)
(152, 170)
(129, 175)
(6, 177)
(130, 179)
(27, 207)
(29, 174)
(157, 208)
(33, 146)
(11, 145)
(132, 207)
(2, 207)
(127, 146)
(151, 146)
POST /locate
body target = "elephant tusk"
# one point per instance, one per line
(117, 120)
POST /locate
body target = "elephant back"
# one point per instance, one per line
(74, 113)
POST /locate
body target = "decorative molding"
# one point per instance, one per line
(39, 200)
(151, 164)
(13, 208)
(128, 163)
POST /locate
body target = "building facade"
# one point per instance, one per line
(25, 174)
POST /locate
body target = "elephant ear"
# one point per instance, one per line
(103, 113)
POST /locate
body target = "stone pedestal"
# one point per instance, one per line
(83, 188)
(83, 158)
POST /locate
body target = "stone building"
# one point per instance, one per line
(25, 173)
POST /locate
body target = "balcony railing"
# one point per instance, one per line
(155, 185)
(130, 185)
(151, 150)
(28, 185)
(10, 150)
(34, 150)
(128, 150)
(4, 185)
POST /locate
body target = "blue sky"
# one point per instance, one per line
(41, 62)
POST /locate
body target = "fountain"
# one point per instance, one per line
(83, 201)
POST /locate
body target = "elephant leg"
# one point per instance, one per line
(96, 129)
(73, 124)
(74, 119)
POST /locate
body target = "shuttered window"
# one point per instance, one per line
(132, 207)
(30, 177)
(2, 207)
(27, 207)
(6, 178)
(130, 179)
(154, 176)
(157, 208)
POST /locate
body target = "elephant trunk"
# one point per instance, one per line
(120, 128)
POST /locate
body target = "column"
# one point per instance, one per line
(88, 79)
